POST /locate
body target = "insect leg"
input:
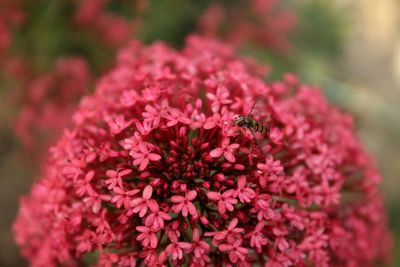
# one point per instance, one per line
(260, 143)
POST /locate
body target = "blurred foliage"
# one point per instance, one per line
(170, 20)
(394, 215)
(321, 29)
(317, 41)
(49, 34)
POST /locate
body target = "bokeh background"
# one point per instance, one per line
(350, 48)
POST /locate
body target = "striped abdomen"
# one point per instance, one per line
(258, 127)
(250, 123)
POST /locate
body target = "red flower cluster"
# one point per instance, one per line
(50, 100)
(154, 172)
(262, 22)
(113, 29)
(11, 15)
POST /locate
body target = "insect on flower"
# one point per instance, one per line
(250, 123)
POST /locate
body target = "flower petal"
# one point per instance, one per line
(214, 196)
(215, 153)
(154, 157)
(191, 195)
(147, 192)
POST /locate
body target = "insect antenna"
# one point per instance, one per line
(252, 108)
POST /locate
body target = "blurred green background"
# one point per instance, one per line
(351, 48)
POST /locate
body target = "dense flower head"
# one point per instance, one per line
(154, 172)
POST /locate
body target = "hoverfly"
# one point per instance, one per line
(250, 123)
